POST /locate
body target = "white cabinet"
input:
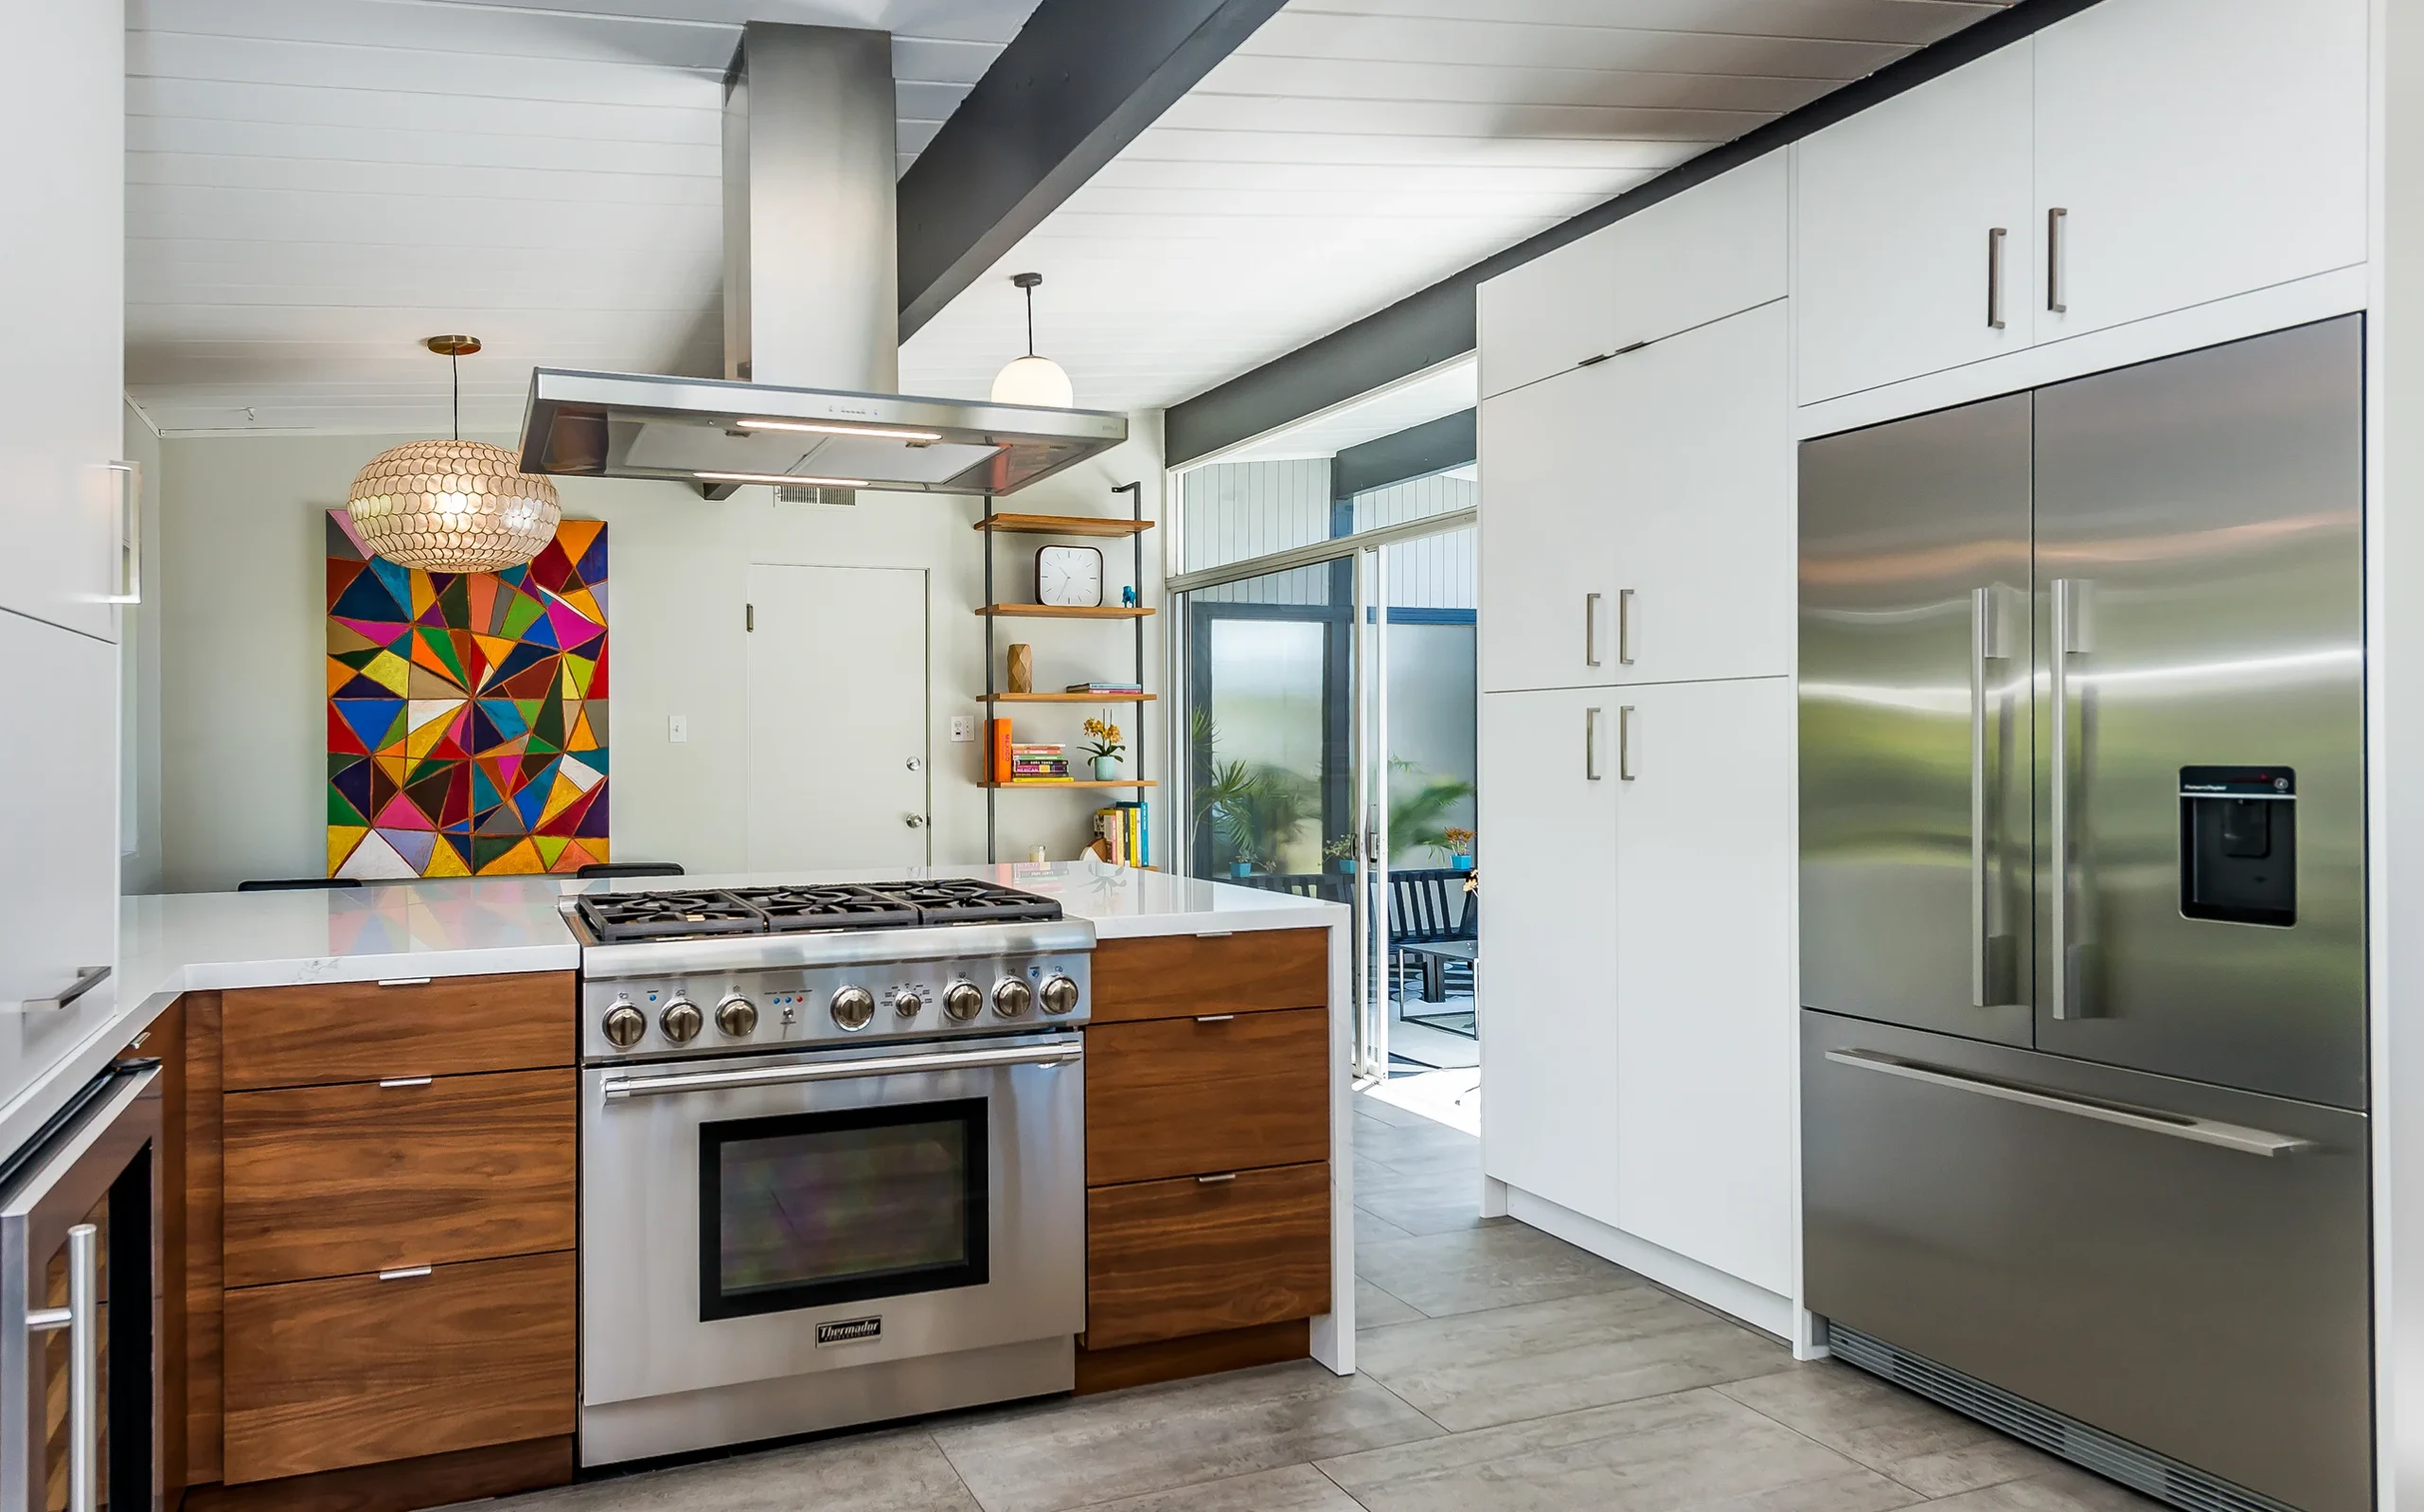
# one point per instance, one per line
(2195, 149)
(1636, 1000)
(58, 806)
(1697, 461)
(1547, 1011)
(1702, 1076)
(1547, 553)
(1637, 515)
(62, 304)
(1916, 237)
(1714, 249)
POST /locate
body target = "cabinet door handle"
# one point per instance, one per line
(1624, 744)
(1591, 744)
(1214, 1018)
(1590, 629)
(1995, 277)
(127, 560)
(87, 978)
(1624, 625)
(407, 1081)
(1215, 1181)
(404, 981)
(2054, 298)
(404, 1272)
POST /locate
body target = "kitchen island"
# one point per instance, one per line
(379, 1083)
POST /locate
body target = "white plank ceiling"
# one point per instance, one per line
(316, 184)
(1353, 151)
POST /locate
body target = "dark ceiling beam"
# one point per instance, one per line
(1076, 85)
(1416, 452)
(1435, 325)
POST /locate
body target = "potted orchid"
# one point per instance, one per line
(1458, 844)
(1103, 744)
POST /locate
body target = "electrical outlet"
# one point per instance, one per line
(963, 726)
(677, 727)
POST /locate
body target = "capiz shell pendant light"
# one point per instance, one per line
(453, 506)
(1033, 379)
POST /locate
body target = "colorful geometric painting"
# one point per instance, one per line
(467, 712)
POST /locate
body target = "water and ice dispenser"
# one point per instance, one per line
(2238, 844)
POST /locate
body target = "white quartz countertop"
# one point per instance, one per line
(181, 942)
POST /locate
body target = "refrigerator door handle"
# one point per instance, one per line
(2066, 641)
(1985, 645)
(2179, 1126)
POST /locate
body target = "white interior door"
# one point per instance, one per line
(837, 698)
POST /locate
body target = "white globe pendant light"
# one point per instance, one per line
(1033, 379)
(453, 506)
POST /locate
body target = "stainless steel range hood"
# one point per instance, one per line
(810, 317)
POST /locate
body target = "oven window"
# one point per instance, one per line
(807, 1209)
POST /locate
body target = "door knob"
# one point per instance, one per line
(916, 764)
(915, 821)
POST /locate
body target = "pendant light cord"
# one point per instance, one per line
(454, 369)
(1030, 320)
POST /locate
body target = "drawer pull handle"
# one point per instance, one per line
(404, 981)
(1214, 1018)
(407, 1082)
(2179, 1126)
(1214, 933)
(403, 1273)
(1215, 1181)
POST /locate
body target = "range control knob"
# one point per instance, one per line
(853, 1006)
(963, 1002)
(907, 1003)
(681, 1021)
(1060, 995)
(1011, 997)
(737, 1017)
(624, 1024)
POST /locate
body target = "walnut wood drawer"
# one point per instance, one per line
(336, 1181)
(1164, 1259)
(360, 1031)
(1178, 976)
(1183, 1097)
(322, 1375)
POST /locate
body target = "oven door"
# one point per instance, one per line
(772, 1215)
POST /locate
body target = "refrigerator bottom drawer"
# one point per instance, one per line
(2182, 1266)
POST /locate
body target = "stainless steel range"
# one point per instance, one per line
(833, 1164)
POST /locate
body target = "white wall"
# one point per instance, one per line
(241, 616)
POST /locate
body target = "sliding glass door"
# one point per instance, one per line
(1329, 711)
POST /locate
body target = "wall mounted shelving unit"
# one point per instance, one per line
(993, 611)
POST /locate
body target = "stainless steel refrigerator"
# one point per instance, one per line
(2082, 915)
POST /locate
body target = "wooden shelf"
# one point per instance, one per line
(1064, 525)
(1089, 782)
(1060, 612)
(1066, 698)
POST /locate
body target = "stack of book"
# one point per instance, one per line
(1107, 689)
(1122, 828)
(1038, 763)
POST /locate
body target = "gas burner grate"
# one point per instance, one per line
(615, 917)
(788, 909)
(966, 900)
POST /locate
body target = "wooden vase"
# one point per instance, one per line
(1022, 666)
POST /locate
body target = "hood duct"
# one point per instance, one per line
(810, 325)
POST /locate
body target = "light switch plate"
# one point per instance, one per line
(677, 727)
(963, 726)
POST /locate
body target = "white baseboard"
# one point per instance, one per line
(1732, 1295)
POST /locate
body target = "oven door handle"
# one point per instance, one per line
(1038, 1054)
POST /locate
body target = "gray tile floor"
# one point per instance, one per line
(1501, 1370)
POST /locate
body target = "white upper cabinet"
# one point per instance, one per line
(1916, 241)
(1547, 818)
(59, 825)
(1697, 460)
(1547, 565)
(1716, 248)
(1705, 1060)
(62, 304)
(2191, 150)
(1637, 522)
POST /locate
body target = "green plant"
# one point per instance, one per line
(1250, 811)
(1416, 816)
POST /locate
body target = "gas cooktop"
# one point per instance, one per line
(687, 914)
